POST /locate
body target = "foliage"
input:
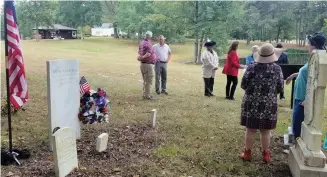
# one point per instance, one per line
(198, 20)
(324, 29)
(32, 14)
(77, 13)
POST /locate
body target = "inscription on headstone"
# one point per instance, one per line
(63, 95)
(65, 152)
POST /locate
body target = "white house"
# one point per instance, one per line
(102, 31)
(106, 29)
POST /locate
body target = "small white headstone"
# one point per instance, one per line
(63, 95)
(154, 117)
(65, 153)
(102, 142)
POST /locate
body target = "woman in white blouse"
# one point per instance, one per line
(210, 65)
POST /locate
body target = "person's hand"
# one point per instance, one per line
(302, 103)
(139, 58)
(242, 66)
(215, 68)
(289, 79)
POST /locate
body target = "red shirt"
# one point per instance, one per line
(232, 64)
(146, 47)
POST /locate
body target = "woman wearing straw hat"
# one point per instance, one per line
(316, 42)
(210, 65)
(262, 81)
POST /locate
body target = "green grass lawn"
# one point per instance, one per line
(197, 136)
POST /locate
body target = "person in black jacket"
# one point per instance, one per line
(282, 60)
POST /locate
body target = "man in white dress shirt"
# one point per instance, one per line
(163, 54)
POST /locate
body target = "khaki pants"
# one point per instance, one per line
(147, 71)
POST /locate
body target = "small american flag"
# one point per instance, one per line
(84, 85)
(15, 63)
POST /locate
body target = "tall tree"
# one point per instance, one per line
(32, 14)
(79, 13)
(110, 12)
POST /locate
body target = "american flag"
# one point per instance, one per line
(84, 85)
(15, 64)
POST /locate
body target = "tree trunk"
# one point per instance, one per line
(128, 34)
(304, 39)
(115, 30)
(196, 42)
(296, 32)
(200, 48)
(196, 48)
(300, 30)
(278, 33)
(82, 37)
(248, 40)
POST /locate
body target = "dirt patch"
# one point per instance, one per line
(127, 145)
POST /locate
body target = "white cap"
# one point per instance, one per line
(148, 33)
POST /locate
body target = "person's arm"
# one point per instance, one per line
(245, 78)
(217, 61)
(248, 60)
(280, 83)
(169, 55)
(291, 77)
(147, 48)
(234, 60)
(206, 62)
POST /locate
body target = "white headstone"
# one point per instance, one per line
(306, 159)
(153, 117)
(102, 142)
(65, 152)
(63, 95)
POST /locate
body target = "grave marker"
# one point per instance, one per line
(63, 95)
(306, 159)
(153, 117)
(102, 142)
(65, 152)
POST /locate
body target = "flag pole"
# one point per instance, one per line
(12, 154)
(7, 81)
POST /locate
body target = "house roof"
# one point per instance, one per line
(107, 25)
(104, 25)
(55, 27)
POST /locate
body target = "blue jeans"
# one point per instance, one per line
(298, 118)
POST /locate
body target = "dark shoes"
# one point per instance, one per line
(162, 92)
(228, 98)
(209, 94)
